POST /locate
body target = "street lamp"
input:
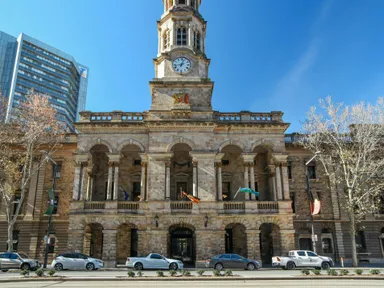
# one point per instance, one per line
(48, 158)
(309, 199)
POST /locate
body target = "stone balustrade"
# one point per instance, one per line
(114, 116)
(142, 207)
(246, 116)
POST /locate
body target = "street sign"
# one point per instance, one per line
(314, 238)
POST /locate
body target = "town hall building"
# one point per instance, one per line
(120, 192)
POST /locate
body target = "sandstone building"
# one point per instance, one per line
(119, 192)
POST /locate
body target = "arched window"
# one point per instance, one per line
(182, 2)
(181, 36)
(166, 39)
(197, 40)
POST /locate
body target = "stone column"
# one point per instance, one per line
(287, 238)
(252, 180)
(76, 181)
(109, 185)
(116, 182)
(219, 182)
(209, 242)
(109, 248)
(278, 183)
(31, 193)
(83, 180)
(246, 179)
(155, 177)
(167, 180)
(284, 173)
(194, 178)
(89, 185)
(272, 182)
(143, 180)
(206, 174)
(253, 244)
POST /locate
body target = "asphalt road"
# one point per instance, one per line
(203, 284)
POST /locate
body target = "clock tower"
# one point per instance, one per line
(181, 87)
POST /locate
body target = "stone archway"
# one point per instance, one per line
(93, 240)
(126, 242)
(269, 242)
(181, 169)
(236, 239)
(98, 171)
(182, 244)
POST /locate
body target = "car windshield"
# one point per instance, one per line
(23, 256)
(83, 256)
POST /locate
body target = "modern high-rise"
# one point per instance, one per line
(27, 63)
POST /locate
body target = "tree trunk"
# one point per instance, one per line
(10, 236)
(352, 231)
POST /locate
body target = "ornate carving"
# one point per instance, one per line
(181, 98)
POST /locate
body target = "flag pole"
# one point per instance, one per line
(236, 193)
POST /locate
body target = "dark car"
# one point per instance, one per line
(233, 261)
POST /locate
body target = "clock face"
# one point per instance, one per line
(181, 65)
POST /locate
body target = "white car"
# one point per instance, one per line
(13, 260)
(75, 261)
(153, 261)
(302, 258)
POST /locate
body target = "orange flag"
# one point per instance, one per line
(192, 198)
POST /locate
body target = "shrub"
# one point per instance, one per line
(200, 272)
(374, 271)
(140, 273)
(172, 272)
(216, 273)
(359, 271)
(185, 273)
(131, 274)
(51, 272)
(316, 272)
(344, 272)
(160, 273)
(305, 272)
(40, 272)
(24, 273)
(228, 273)
(332, 272)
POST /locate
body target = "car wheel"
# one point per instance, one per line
(59, 267)
(290, 266)
(325, 266)
(138, 266)
(251, 267)
(25, 266)
(90, 266)
(219, 267)
(4, 270)
(173, 266)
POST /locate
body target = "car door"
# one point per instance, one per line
(66, 260)
(77, 262)
(302, 259)
(156, 261)
(314, 259)
(5, 261)
(81, 260)
(15, 261)
(225, 259)
(236, 262)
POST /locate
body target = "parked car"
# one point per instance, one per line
(302, 258)
(13, 260)
(233, 261)
(74, 261)
(153, 261)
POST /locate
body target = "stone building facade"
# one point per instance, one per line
(123, 174)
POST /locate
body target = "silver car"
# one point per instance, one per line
(13, 260)
(75, 261)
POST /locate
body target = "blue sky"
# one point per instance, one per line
(266, 55)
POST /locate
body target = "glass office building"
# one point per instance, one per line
(27, 63)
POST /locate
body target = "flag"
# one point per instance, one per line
(51, 202)
(315, 203)
(192, 198)
(249, 190)
(126, 195)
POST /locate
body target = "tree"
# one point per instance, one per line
(26, 141)
(350, 141)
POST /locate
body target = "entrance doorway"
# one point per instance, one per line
(182, 245)
(269, 242)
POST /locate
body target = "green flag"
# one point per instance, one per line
(51, 205)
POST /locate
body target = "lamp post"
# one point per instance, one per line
(50, 214)
(309, 199)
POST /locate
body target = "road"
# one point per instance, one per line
(202, 284)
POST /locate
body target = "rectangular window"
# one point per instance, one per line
(137, 162)
(57, 173)
(311, 171)
(361, 245)
(226, 191)
(136, 188)
(289, 169)
(16, 202)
